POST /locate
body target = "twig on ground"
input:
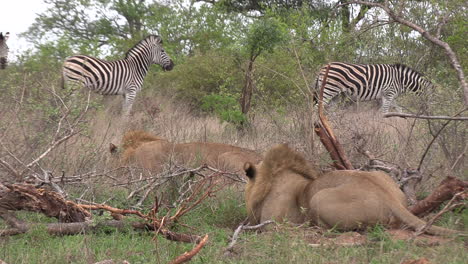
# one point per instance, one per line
(239, 229)
(187, 256)
(448, 207)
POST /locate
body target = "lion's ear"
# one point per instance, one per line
(113, 148)
(250, 170)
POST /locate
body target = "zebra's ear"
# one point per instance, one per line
(113, 148)
(4, 37)
(159, 39)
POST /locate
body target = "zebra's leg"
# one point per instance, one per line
(127, 104)
(387, 102)
(398, 109)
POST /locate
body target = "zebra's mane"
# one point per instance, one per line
(404, 67)
(141, 43)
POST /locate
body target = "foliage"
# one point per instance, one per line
(263, 36)
(225, 107)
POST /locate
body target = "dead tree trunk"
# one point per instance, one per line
(247, 91)
(327, 137)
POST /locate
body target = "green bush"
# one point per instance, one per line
(224, 106)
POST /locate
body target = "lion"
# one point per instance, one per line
(152, 152)
(143, 149)
(284, 187)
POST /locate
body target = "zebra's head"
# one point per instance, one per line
(3, 49)
(159, 55)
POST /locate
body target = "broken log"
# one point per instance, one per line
(445, 191)
(27, 197)
(62, 229)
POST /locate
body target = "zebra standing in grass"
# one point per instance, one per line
(3, 50)
(363, 82)
(120, 77)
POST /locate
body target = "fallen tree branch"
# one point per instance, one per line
(61, 229)
(187, 256)
(76, 217)
(27, 197)
(445, 191)
(448, 207)
(112, 209)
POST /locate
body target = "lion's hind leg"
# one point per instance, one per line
(346, 207)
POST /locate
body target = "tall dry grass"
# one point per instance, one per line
(31, 108)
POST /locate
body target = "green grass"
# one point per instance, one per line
(218, 217)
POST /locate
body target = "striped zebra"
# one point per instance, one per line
(364, 82)
(120, 77)
(4, 50)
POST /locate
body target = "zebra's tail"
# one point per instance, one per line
(3, 63)
(62, 82)
(316, 92)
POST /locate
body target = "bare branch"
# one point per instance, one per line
(10, 169)
(392, 114)
(52, 147)
(448, 207)
(435, 137)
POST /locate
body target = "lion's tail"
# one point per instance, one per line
(406, 217)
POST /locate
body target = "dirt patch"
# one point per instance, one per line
(423, 240)
(356, 239)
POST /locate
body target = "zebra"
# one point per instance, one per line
(120, 77)
(4, 50)
(364, 82)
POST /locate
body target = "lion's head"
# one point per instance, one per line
(140, 147)
(282, 170)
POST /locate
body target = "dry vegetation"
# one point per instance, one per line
(35, 113)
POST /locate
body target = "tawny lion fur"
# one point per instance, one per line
(284, 187)
(152, 152)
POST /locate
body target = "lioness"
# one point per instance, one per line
(152, 152)
(284, 187)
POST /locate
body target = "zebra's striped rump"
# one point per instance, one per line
(364, 82)
(4, 50)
